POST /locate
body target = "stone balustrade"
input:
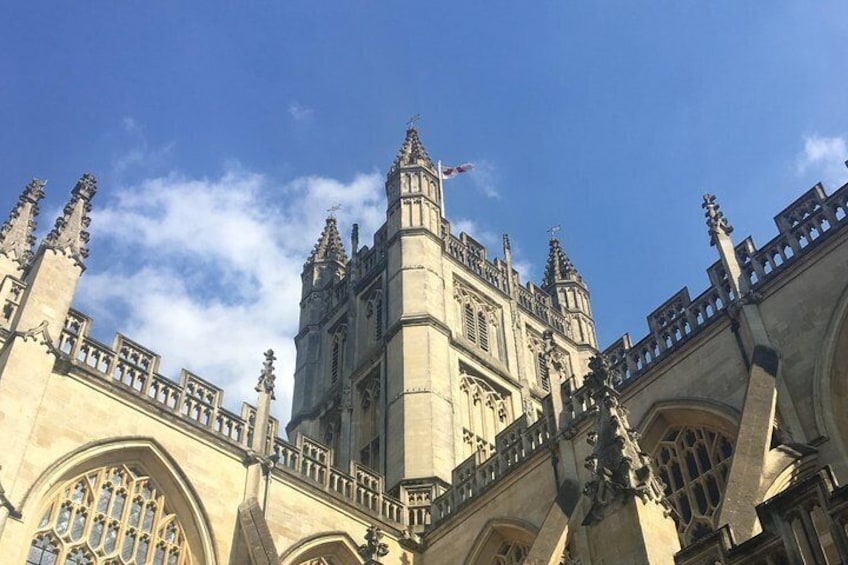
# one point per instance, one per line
(806, 523)
(805, 223)
(363, 487)
(513, 446)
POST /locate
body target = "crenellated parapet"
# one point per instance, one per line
(803, 225)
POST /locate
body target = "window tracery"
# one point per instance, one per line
(511, 553)
(486, 411)
(479, 319)
(369, 426)
(112, 516)
(693, 463)
(549, 361)
(338, 339)
(374, 316)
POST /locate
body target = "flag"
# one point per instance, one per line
(450, 172)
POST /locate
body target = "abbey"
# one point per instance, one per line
(444, 412)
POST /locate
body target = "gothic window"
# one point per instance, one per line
(339, 337)
(369, 426)
(478, 320)
(693, 463)
(486, 411)
(544, 372)
(374, 316)
(511, 553)
(110, 515)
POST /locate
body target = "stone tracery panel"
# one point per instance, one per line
(112, 515)
(486, 411)
(693, 462)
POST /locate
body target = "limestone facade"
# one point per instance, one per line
(443, 411)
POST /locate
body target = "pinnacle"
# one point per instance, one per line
(329, 246)
(412, 152)
(69, 234)
(559, 267)
(16, 234)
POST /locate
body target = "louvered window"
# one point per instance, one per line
(334, 365)
(482, 331)
(470, 324)
(544, 372)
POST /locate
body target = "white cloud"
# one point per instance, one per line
(300, 113)
(139, 154)
(209, 275)
(489, 239)
(824, 157)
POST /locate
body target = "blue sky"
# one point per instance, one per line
(202, 120)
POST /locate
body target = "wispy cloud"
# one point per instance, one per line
(300, 113)
(824, 157)
(213, 277)
(138, 153)
(485, 178)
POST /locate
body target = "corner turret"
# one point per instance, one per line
(326, 263)
(413, 193)
(16, 235)
(569, 291)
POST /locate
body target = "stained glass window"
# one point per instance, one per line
(110, 515)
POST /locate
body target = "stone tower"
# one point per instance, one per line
(421, 334)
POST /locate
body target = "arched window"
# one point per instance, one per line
(114, 514)
(486, 412)
(511, 553)
(374, 316)
(693, 462)
(338, 338)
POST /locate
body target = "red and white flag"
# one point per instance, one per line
(450, 172)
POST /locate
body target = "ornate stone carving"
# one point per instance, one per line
(329, 246)
(619, 467)
(267, 377)
(716, 222)
(559, 267)
(16, 235)
(412, 152)
(41, 335)
(69, 235)
(373, 546)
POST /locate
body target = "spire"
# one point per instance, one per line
(559, 267)
(16, 235)
(267, 377)
(412, 152)
(329, 246)
(69, 235)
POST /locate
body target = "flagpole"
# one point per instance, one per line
(442, 190)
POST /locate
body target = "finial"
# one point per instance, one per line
(331, 211)
(506, 244)
(16, 234)
(267, 377)
(410, 124)
(412, 152)
(618, 465)
(716, 222)
(373, 547)
(69, 234)
(559, 267)
(329, 245)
